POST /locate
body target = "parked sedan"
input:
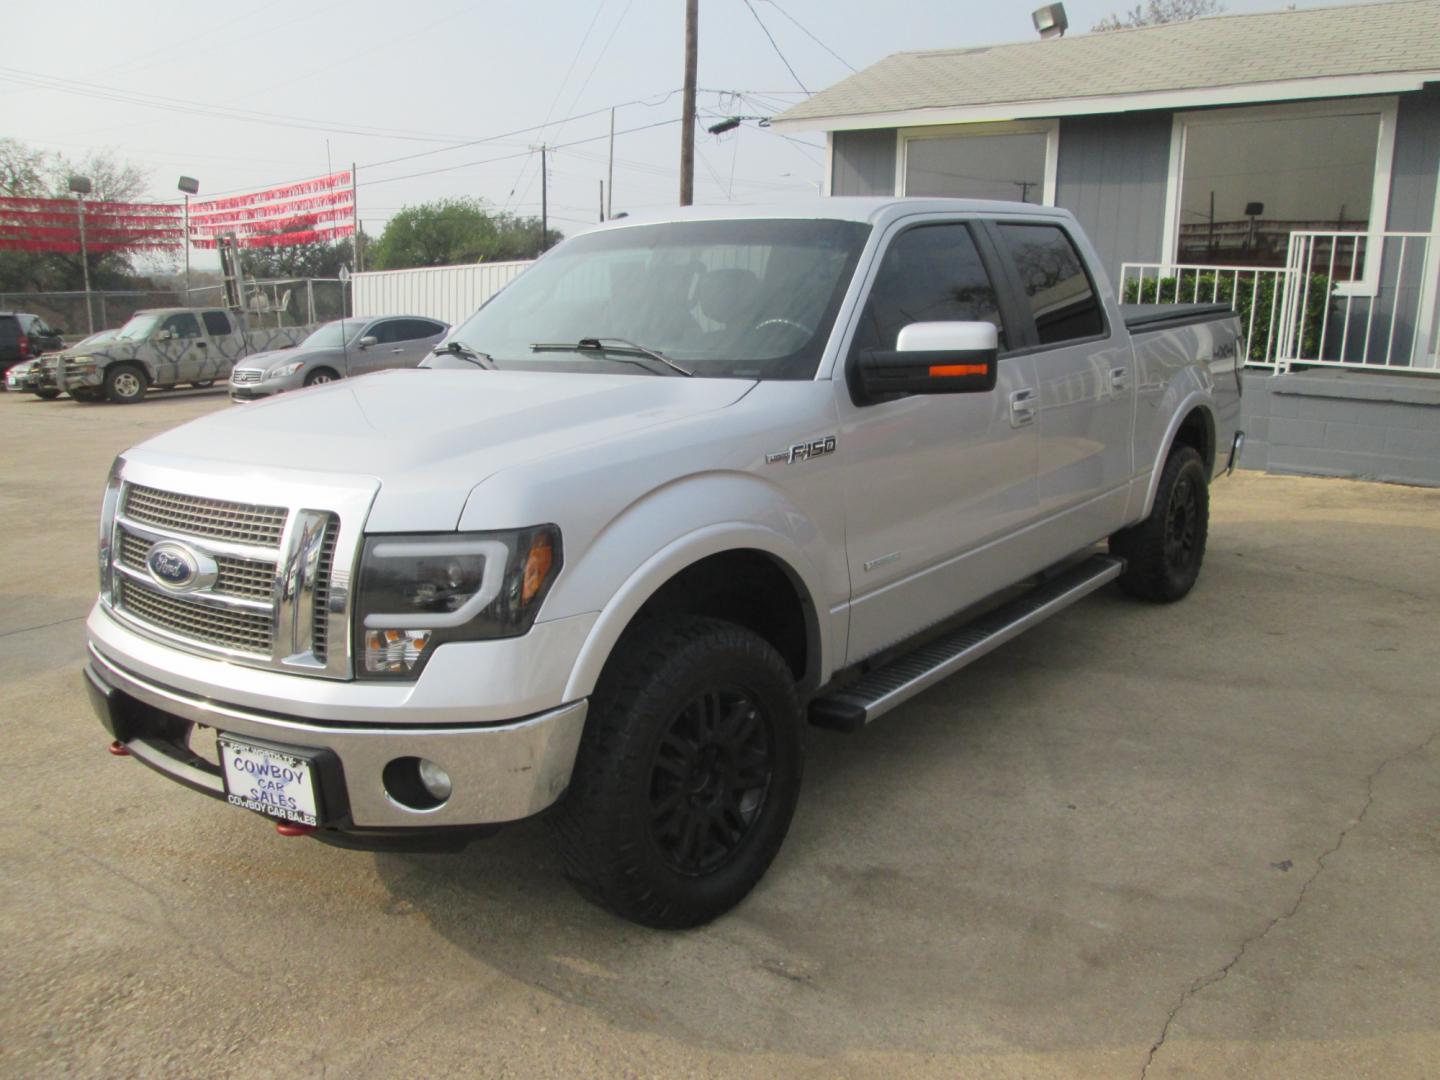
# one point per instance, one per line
(338, 349)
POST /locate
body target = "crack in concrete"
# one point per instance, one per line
(42, 626)
(1221, 972)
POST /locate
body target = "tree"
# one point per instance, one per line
(447, 232)
(38, 174)
(317, 259)
(1156, 12)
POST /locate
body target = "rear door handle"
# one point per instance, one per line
(1022, 407)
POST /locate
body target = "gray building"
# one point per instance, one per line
(1284, 162)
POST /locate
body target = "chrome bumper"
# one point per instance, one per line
(501, 772)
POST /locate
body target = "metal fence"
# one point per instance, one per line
(1343, 299)
(279, 302)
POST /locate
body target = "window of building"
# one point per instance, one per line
(1062, 299)
(1015, 162)
(1249, 178)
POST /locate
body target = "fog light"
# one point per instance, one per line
(435, 779)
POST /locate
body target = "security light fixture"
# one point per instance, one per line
(80, 185)
(189, 185)
(1050, 20)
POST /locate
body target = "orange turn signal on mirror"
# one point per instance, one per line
(941, 371)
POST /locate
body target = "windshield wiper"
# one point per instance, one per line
(611, 345)
(464, 352)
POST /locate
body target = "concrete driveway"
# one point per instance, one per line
(1194, 840)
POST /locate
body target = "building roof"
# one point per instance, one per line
(1317, 52)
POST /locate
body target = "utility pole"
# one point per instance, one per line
(602, 200)
(687, 120)
(544, 201)
(610, 172)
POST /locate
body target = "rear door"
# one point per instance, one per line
(933, 482)
(1085, 393)
(403, 343)
(226, 346)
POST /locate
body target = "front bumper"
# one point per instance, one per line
(500, 771)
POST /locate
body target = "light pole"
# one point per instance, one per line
(80, 185)
(189, 185)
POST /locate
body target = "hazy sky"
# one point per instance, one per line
(253, 92)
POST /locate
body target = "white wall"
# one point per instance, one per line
(451, 293)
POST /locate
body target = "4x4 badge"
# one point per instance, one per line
(802, 451)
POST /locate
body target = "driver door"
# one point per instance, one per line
(182, 349)
(937, 486)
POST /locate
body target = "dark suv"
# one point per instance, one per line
(22, 338)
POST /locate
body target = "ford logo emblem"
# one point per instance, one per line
(177, 568)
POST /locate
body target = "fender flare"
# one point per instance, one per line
(663, 565)
(1194, 399)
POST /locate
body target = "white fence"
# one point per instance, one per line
(1343, 299)
(449, 293)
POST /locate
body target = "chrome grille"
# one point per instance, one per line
(240, 523)
(320, 630)
(242, 376)
(250, 578)
(225, 628)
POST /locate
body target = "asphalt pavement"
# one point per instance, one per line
(1195, 840)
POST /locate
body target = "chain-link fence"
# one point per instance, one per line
(282, 302)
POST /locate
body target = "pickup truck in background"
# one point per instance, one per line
(161, 347)
(678, 489)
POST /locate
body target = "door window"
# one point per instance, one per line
(1062, 298)
(217, 323)
(184, 325)
(931, 273)
(415, 329)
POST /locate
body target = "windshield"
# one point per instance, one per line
(138, 328)
(748, 299)
(332, 335)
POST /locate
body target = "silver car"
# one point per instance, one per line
(338, 349)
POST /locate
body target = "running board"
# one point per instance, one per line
(877, 692)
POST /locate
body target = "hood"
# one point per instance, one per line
(264, 360)
(429, 435)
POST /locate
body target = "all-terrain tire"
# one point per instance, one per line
(1163, 553)
(47, 394)
(687, 776)
(126, 384)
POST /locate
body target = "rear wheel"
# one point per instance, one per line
(1163, 553)
(47, 394)
(687, 776)
(87, 394)
(203, 384)
(319, 376)
(126, 384)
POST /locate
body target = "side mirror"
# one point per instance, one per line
(932, 358)
(368, 340)
(165, 335)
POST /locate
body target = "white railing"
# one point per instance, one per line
(1343, 299)
(1251, 291)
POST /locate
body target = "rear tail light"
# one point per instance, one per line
(24, 347)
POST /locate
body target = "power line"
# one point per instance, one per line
(776, 47)
(811, 36)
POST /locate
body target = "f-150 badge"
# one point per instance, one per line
(802, 451)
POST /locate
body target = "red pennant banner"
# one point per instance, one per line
(290, 209)
(289, 239)
(276, 194)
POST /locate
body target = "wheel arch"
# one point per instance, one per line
(753, 563)
(1192, 424)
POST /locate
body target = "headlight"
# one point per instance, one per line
(284, 370)
(416, 592)
(109, 507)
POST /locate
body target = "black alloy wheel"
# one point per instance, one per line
(1164, 552)
(708, 783)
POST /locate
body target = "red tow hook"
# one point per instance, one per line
(286, 828)
(119, 749)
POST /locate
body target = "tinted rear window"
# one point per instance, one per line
(9, 328)
(1062, 299)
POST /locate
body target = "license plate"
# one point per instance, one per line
(272, 782)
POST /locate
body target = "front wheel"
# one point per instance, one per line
(1163, 553)
(687, 775)
(320, 376)
(126, 384)
(47, 394)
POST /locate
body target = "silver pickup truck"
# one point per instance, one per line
(164, 347)
(683, 486)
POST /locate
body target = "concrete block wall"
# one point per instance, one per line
(1365, 425)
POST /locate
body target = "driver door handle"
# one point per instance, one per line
(1022, 407)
